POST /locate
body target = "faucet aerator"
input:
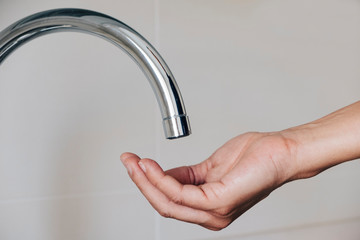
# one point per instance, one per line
(177, 127)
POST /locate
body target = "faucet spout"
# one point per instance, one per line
(175, 119)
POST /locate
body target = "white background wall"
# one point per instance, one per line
(71, 103)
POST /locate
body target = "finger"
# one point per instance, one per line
(126, 158)
(160, 202)
(194, 175)
(184, 175)
(203, 197)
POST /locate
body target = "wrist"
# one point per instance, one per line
(325, 142)
(303, 151)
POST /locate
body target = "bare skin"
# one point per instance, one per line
(246, 169)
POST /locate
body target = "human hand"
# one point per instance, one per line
(218, 190)
(247, 169)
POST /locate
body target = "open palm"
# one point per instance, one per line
(216, 191)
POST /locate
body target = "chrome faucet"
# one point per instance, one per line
(175, 120)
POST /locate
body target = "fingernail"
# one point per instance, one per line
(129, 170)
(142, 166)
(122, 157)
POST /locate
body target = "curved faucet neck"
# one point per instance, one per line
(175, 120)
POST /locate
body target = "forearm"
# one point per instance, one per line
(325, 142)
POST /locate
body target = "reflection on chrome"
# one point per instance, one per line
(175, 120)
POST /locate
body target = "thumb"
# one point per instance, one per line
(184, 174)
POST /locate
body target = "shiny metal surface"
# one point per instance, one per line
(175, 120)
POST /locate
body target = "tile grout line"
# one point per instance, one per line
(65, 196)
(157, 228)
(286, 229)
(157, 23)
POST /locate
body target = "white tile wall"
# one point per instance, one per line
(87, 217)
(263, 65)
(346, 229)
(70, 105)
